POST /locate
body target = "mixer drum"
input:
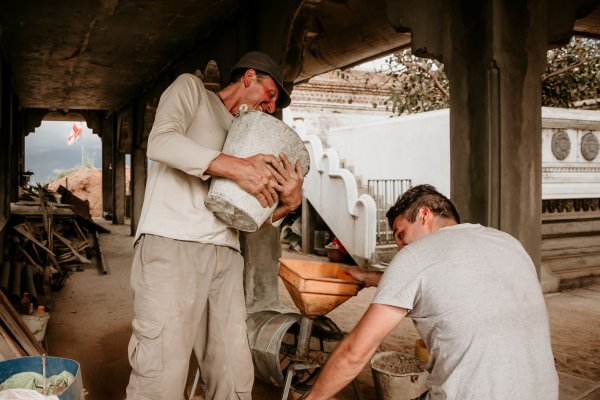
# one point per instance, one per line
(273, 339)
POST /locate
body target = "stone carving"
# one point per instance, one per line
(589, 146)
(561, 145)
(570, 205)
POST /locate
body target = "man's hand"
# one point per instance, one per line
(253, 174)
(288, 183)
(289, 180)
(354, 352)
(369, 278)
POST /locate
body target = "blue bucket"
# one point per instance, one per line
(54, 366)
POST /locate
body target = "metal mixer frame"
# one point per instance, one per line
(303, 361)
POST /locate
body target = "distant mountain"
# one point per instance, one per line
(47, 153)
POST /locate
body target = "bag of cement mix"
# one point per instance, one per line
(24, 394)
(55, 384)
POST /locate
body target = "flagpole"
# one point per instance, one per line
(81, 127)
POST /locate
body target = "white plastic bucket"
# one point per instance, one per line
(251, 133)
(393, 386)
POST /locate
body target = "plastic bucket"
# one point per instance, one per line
(390, 385)
(54, 366)
(251, 133)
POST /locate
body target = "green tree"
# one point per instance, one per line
(572, 76)
(571, 79)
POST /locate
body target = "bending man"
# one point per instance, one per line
(473, 295)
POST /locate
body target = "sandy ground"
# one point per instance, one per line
(86, 183)
(91, 323)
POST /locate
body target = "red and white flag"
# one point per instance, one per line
(74, 135)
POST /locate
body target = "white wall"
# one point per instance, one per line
(573, 177)
(413, 147)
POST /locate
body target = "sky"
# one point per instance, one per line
(47, 153)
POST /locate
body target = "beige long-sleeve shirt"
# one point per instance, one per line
(189, 130)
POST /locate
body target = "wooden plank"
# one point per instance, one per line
(14, 323)
(99, 256)
(79, 231)
(19, 209)
(21, 229)
(80, 207)
(67, 243)
(9, 349)
(3, 222)
(28, 257)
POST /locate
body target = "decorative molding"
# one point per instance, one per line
(570, 205)
(589, 146)
(332, 92)
(34, 117)
(333, 192)
(561, 145)
(581, 169)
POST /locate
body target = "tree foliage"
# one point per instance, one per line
(572, 75)
(571, 79)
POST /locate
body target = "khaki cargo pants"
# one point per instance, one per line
(188, 296)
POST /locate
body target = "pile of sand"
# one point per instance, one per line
(85, 183)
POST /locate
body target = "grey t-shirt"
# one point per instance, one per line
(474, 298)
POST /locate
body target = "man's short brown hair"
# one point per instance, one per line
(412, 200)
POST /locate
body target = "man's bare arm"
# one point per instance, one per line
(353, 353)
(370, 278)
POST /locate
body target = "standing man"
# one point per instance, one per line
(187, 272)
(474, 298)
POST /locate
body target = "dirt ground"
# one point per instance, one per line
(86, 183)
(91, 323)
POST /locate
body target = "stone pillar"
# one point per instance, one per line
(108, 140)
(4, 153)
(309, 224)
(119, 176)
(138, 175)
(494, 52)
(5, 135)
(261, 251)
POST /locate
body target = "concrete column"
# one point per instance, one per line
(4, 153)
(5, 132)
(496, 52)
(309, 224)
(118, 186)
(138, 174)
(15, 160)
(108, 140)
(261, 251)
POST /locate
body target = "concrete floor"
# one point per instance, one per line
(91, 323)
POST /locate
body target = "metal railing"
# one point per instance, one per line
(385, 192)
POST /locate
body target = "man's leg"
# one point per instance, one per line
(171, 281)
(223, 354)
